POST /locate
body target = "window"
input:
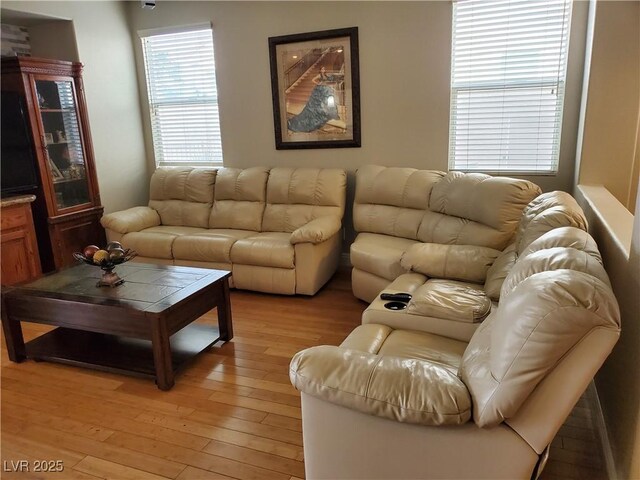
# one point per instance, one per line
(509, 62)
(183, 98)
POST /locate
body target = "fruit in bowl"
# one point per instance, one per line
(89, 251)
(106, 258)
(100, 256)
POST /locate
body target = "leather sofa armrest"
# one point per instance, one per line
(131, 220)
(456, 262)
(401, 389)
(450, 300)
(317, 230)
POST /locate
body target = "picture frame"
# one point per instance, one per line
(48, 138)
(315, 84)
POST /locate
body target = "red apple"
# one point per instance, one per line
(89, 251)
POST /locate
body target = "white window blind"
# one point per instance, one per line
(509, 62)
(183, 98)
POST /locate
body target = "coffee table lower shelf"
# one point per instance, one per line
(116, 354)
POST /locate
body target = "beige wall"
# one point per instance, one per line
(54, 40)
(618, 382)
(104, 46)
(609, 148)
(405, 53)
(608, 161)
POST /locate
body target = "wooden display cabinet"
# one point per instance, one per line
(67, 213)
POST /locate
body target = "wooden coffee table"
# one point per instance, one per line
(143, 327)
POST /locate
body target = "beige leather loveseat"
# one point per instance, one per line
(279, 230)
(397, 209)
(394, 402)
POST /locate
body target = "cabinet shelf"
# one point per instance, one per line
(69, 180)
(57, 110)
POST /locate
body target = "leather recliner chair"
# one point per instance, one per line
(397, 403)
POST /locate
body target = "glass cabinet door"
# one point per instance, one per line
(63, 142)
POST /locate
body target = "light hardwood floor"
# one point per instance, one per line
(232, 414)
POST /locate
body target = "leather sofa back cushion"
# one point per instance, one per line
(548, 211)
(570, 237)
(295, 196)
(455, 262)
(239, 198)
(182, 196)
(493, 201)
(544, 317)
(431, 206)
(441, 228)
(392, 201)
(496, 202)
(556, 258)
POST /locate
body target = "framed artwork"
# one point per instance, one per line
(315, 81)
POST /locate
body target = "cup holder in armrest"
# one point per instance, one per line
(395, 306)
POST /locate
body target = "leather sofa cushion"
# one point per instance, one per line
(493, 201)
(394, 385)
(556, 258)
(367, 338)
(183, 183)
(296, 196)
(392, 201)
(175, 230)
(182, 196)
(445, 229)
(239, 198)
(451, 300)
(570, 237)
(456, 262)
(548, 211)
(157, 242)
(424, 346)
(499, 270)
(266, 249)
(379, 254)
(384, 340)
(210, 246)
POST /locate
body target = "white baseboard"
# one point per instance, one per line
(601, 429)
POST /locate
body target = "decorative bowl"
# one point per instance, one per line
(109, 277)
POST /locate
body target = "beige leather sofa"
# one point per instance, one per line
(278, 230)
(392, 402)
(397, 209)
(455, 287)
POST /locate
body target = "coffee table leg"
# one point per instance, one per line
(225, 324)
(13, 336)
(162, 355)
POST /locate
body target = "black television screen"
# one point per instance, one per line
(18, 173)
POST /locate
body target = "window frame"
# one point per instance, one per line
(504, 85)
(153, 105)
